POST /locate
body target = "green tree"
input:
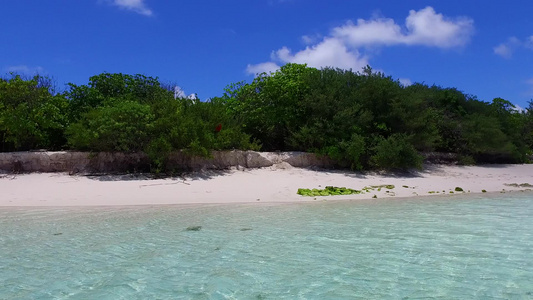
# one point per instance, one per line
(118, 112)
(105, 88)
(527, 128)
(32, 116)
(270, 106)
(191, 125)
(123, 126)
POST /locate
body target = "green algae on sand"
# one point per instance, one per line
(328, 191)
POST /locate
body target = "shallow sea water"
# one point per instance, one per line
(427, 248)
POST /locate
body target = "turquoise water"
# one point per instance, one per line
(437, 248)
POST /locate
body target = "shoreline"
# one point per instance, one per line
(124, 207)
(271, 185)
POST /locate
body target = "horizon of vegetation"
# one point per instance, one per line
(361, 120)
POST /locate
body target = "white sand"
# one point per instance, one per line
(267, 185)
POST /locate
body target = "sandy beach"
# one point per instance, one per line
(276, 184)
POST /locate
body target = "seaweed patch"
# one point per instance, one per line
(328, 191)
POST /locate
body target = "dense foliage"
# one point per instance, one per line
(114, 112)
(367, 120)
(359, 119)
(31, 115)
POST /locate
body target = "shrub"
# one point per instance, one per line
(347, 153)
(395, 152)
(122, 126)
(158, 151)
(466, 160)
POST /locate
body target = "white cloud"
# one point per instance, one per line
(342, 48)
(311, 39)
(507, 49)
(518, 108)
(331, 52)
(424, 27)
(405, 81)
(180, 93)
(503, 50)
(24, 69)
(266, 67)
(137, 6)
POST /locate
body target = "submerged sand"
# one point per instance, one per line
(275, 184)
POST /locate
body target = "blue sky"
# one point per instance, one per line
(484, 48)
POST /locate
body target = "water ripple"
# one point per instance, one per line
(475, 248)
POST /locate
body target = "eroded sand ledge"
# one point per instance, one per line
(74, 162)
(275, 184)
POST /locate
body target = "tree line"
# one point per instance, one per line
(361, 120)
